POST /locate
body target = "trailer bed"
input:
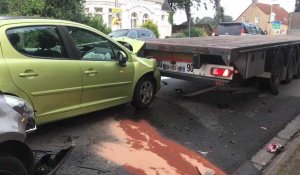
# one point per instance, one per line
(220, 43)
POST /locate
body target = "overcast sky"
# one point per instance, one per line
(232, 7)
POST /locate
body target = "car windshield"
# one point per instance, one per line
(119, 33)
(229, 29)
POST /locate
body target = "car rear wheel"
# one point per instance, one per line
(10, 165)
(144, 93)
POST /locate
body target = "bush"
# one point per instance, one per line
(195, 32)
(97, 23)
(151, 26)
(177, 35)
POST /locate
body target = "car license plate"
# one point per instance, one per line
(175, 66)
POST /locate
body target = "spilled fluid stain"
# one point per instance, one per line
(141, 150)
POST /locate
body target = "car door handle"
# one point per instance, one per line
(90, 72)
(29, 74)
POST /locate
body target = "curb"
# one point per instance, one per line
(262, 159)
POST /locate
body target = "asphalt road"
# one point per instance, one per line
(215, 132)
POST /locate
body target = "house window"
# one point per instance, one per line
(163, 17)
(145, 18)
(98, 9)
(110, 10)
(134, 18)
(109, 20)
(87, 10)
(256, 20)
(243, 18)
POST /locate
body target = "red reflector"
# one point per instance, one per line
(220, 72)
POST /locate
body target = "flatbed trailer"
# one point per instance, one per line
(227, 60)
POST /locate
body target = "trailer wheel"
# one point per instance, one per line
(276, 72)
(290, 66)
(11, 165)
(297, 74)
(144, 93)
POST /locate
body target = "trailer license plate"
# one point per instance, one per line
(175, 67)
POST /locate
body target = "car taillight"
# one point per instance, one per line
(220, 72)
(242, 31)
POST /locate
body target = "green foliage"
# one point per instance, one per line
(25, 8)
(177, 35)
(97, 23)
(67, 9)
(195, 32)
(71, 10)
(151, 26)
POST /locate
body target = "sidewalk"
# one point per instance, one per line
(287, 162)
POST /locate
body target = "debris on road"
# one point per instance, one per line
(263, 128)
(164, 83)
(269, 110)
(233, 142)
(203, 153)
(93, 168)
(179, 91)
(275, 148)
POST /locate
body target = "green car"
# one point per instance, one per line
(65, 69)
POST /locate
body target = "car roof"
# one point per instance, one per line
(31, 19)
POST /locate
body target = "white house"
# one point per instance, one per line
(126, 14)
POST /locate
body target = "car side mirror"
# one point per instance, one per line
(122, 58)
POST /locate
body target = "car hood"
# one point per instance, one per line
(135, 44)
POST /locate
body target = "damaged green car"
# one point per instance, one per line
(65, 69)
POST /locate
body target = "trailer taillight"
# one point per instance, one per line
(220, 72)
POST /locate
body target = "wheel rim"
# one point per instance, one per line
(146, 92)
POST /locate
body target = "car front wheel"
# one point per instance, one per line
(144, 93)
(10, 165)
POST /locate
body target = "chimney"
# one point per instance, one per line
(254, 1)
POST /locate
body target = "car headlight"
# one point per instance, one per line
(23, 108)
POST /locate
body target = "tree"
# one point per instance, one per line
(68, 9)
(97, 23)
(151, 26)
(187, 4)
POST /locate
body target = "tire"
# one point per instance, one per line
(290, 66)
(276, 72)
(297, 74)
(10, 165)
(144, 93)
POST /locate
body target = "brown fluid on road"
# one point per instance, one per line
(140, 149)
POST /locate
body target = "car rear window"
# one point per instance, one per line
(228, 29)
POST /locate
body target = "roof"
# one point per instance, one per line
(281, 14)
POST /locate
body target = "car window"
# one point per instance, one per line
(37, 41)
(92, 46)
(248, 28)
(118, 33)
(259, 30)
(229, 29)
(143, 34)
(132, 34)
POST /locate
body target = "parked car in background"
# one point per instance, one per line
(65, 69)
(135, 33)
(238, 28)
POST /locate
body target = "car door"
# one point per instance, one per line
(105, 82)
(41, 67)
